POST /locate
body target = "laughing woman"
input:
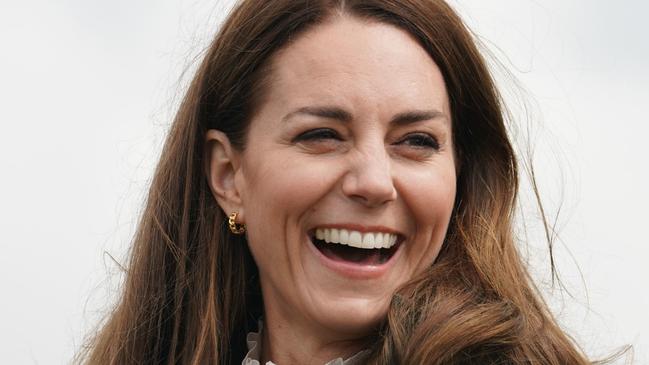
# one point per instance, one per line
(337, 187)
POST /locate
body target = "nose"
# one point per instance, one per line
(369, 179)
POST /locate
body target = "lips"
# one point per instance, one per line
(351, 246)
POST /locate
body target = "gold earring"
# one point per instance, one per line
(236, 228)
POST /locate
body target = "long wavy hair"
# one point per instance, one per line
(192, 289)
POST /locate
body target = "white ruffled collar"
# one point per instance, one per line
(254, 352)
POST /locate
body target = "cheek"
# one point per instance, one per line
(430, 192)
(278, 194)
(438, 201)
(279, 189)
(430, 197)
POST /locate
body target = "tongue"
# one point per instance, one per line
(350, 254)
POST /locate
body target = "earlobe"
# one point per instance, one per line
(221, 167)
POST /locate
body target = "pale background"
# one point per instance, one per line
(88, 89)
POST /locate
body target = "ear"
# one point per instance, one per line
(222, 166)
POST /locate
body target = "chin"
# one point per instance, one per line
(353, 317)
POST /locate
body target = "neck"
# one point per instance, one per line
(284, 343)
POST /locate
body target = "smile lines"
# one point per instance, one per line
(369, 240)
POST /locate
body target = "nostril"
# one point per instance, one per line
(369, 179)
(370, 191)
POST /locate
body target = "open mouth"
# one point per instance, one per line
(368, 248)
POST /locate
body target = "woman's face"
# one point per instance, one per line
(350, 150)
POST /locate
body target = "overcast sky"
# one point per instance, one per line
(88, 90)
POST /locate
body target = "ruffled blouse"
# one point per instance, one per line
(254, 352)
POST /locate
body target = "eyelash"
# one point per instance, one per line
(317, 134)
(416, 140)
(421, 140)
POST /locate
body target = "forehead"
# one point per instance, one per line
(356, 64)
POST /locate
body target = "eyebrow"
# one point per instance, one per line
(336, 113)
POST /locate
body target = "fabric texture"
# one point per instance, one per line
(254, 352)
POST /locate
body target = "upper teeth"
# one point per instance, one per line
(355, 238)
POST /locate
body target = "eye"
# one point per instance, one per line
(420, 140)
(319, 134)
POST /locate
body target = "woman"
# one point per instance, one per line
(337, 187)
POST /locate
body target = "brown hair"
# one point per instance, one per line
(192, 289)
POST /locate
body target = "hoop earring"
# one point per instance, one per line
(236, 228)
